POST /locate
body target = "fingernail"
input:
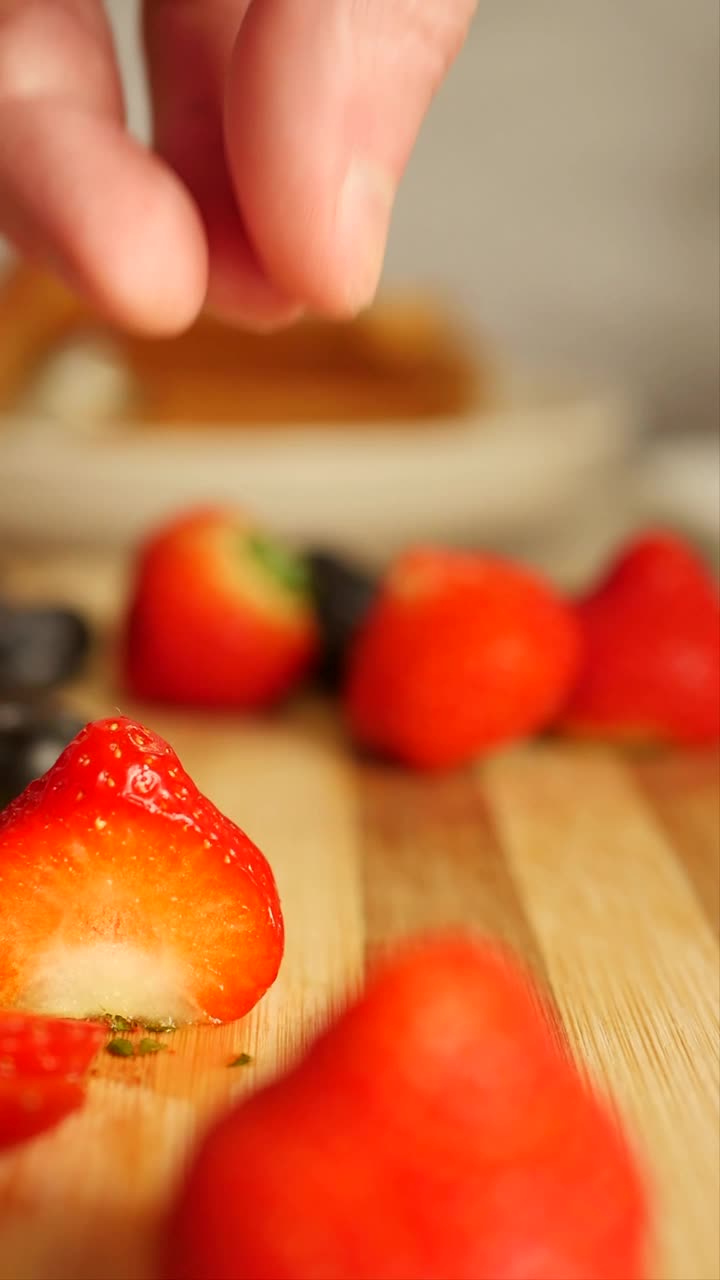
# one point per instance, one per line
(364, 209)
(257, 322)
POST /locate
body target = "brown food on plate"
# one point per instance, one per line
(400, 361)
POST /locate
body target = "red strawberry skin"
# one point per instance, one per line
(33, 1104)
(460, 653)
(438, 1131)
(42, 1061)
(32, 1046)
(114, 863)
(652, 648)
(220, 616)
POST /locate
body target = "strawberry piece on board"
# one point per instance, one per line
(30, 1105)
(32, 1046)
(42, 1062)
(460, 652)
(124, 891)
(437, 1131)
(652, 648)
(221, 615)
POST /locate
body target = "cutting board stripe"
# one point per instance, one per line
(634, 967)
(683, 793)
(431, 860)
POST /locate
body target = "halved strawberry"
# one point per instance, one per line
(31, 1105)
(32, 1046)
(221, 615)
(124, 891)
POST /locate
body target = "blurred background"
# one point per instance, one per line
(562, 207)
(565, 190)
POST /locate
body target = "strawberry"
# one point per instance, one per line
(221, 615)
(30, 1106)
(437, 1130)
(124, 891)
(459, 653)
(32, 1046)
(652, 648)
(41, 1062)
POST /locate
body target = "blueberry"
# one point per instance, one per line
(342, 594)
(31, 739)
(39, 648)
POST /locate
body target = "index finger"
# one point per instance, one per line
(76, 191)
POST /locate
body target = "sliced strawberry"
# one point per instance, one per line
(221, 615)
(30, 1105)
(124, 891)
(32, 1046)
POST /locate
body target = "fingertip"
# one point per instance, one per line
(316, 202)
(235, 302)
(142, 257)
(153, 279)
(113, 220)
(285, 184)
(324, 102)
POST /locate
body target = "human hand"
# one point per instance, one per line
(282, 128)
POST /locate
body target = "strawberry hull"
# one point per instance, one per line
(123, 890)
(221, 616)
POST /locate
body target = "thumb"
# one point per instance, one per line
(324, 102)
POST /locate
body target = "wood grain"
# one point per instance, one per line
(633, 965)
(599, 869)
(683, 793)
(432, 860)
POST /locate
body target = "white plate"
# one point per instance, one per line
(491, 476)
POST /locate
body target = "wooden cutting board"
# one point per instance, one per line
(601, 869)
